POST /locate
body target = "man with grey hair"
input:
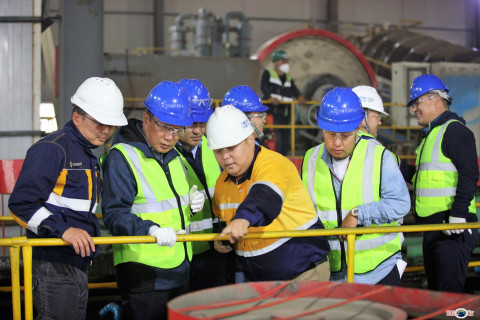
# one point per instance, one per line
(444, 184)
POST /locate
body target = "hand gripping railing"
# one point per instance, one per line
(26, 244)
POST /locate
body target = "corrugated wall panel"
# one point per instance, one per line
(16, 81)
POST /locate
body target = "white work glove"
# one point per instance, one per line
(165, 236)
(456, 231)
(197, 199)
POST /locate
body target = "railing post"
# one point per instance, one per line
(350, 257)
(292, 128)
(15, 271)
(27, 281)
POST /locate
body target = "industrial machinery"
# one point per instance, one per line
(211, 35)
(320, 300)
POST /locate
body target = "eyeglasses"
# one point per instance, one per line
(206, 103)
(262, 115)
(376, 115)
(343, 136)
(100, 126)
(420, 100)
(169, 130)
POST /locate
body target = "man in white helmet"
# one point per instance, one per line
(260, 190)
(373, 105)
(56, 194)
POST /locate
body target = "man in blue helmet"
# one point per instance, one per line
(246, 100)
(444, 184)
(209, 267)
(355, 182)
(278, 86)
(146, 192)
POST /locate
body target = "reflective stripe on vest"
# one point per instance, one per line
(229, 196)
(369, 137)
(202, 220)
(435, 182)
(280, 91)
(68, 180)
(156, 201)
(365, 165)
(275, 244)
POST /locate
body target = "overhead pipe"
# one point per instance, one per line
(243, 30)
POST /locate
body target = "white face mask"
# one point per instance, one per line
(284, 67)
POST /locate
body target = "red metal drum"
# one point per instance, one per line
(321, 300)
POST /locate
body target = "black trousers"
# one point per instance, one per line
(211, 269)
(446, 259)
(60, 291)
(281, 115)
(149, 305)
(392, 278)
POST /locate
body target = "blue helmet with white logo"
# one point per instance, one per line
(426, 83)
(340, 111)
(244, 99)
(200, 98)
(170, 103)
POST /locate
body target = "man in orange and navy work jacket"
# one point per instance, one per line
(260, 190)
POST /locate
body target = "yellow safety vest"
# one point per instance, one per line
(279, 90)
(361, 185)
(202, 221)
(435, 182)
(156, 201)
(367, 136)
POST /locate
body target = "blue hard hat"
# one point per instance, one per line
(200, 99)
(170, 103)
(424, 84)
(340, 111)
(244, 99)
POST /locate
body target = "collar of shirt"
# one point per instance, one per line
(441, 119)
(248, 174)
(193, 151)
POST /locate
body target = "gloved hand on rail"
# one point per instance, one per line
(456, 231)
(165, 236)
(197, 199)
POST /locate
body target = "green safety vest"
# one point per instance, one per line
(435, 182)
(361, 185)
(202, 221)
(367, 136)
(280, 91)
(156, 201)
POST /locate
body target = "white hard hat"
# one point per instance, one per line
(227, 127)
(101, 98)
(370, 99)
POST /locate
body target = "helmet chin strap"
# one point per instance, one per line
(259, 134)
(366, 124)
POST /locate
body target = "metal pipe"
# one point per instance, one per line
(231, 15)
(351, 258)
(27, 282)
(21, 133)
(15, 274)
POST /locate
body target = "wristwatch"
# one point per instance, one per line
(355, 212)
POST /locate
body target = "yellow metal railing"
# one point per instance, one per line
(26, 244)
